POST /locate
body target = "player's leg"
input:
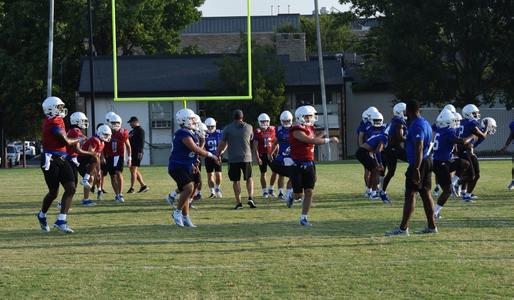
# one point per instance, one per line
(247, 175)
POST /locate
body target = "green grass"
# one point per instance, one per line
(134, 251)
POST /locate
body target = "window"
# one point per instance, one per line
(161, 114)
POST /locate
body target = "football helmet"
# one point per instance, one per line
(263, 121)
(376, 119)
(458, 118)
(53, 106)
(489, 124)
(108, 115)
(286, 119)
(471, 112)
(399, 110)
(211, 125)
(369, 111)
(450, 107)
(304, 111)
(115, 122)
(104, 133)
(79, 119)
(445, 119)
(185, 118)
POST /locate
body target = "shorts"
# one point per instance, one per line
(364, 157)
(111, 168)
(211, 166)
(265, 162)
(136, 162)
(181, 176)
(75, 171)
(443, 170)
(234, 171)
(391, 155)
(303, 176)
(103, 169)
(474, 168)
(279, 168)
(60, 171)
(85, 162)
(425, 177)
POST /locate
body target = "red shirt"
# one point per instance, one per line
(97, 145)
(51, 143)
(300, 150)
(117, 145)
(73, 133)
(264, 138)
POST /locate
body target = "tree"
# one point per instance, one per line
(268, 85)
(144, 26)
(336, 34)
(442, 51)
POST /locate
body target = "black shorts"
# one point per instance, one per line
(85, 162)
(103, 168)
(279, 168)
(60, 171)
(111, 168)
(391, 155)
(443, 169)
(181, 176)
(364, 157)
(136, 162)
(474, 168)
(303, 176)
(234, 171)
(75, 171)
(265, 162)
(211, 166)
(425, 177)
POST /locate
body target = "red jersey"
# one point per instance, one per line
(73, 133)
(264, 138)
(116, 147)
(97, 145)
(51, 143)
(300, 150)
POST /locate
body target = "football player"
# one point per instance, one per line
(264, 137)
(362, 136)
(281, 146)
(103, 164)
(115, 154)
(507, 144)
(212, 140)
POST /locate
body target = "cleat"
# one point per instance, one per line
(427, 230)
(280, 196)
(130, 191)
(511, 186)
(467, 199)
(43, 223)
(305, 222)
(438, 216)
(197, 196)
(103, 191)
(265, 195)
(143, 189)
(85, 183)
(373, 196)
(58, 205)
(290, 201)
(63, 226)
(99, 195)
(239, 206)
(251, 203)
(436, 191)
(191, 205)
(119, 199)
(177, 216)
(473, 196)
(171, 200)
(384, 197)
(212, 196)
(88, 202)
(271, 194)
(218, 193)
(397, 231)
(187, 222)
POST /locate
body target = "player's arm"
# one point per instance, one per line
(378, 156)
(509, 140)
(61, 135)
(479, 133)
(221, 147)
(201, 139)
(256, 150)
(190, 144)
(89, 152)
(302, 137)
(399, 134)
(360, 138)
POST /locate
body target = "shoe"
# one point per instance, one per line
(92, 189)
(251, 203)
(197, 196)
(511, 186)
(397, 231)
(171, 200)
(280, 196)
(144, 189)
(130, 191)
(290, 201)
(88, 202)
(103, 191)
(218, 193)
(239, 206)
(435, 193)
(58, 205)
(305, 222)
(43, 223)
(265, 195)
(63, 226)
(457, 190)
(473, 196)
(467, 198)
(187, 222)
(212, 196)
(99, 195)
(438, 216)
(373, 196)
(271, 194)
(177, 216)
(191, 206)
(119, 199)
(384, 197)
(427, 230)
(85, 183)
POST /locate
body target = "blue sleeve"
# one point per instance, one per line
(379, 157)
(418, 133)
(56, 130)
(511, 126)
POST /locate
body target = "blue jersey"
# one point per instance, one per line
(372, 130)
(467, 126)
(374, 140)
(181, 156)
(393, 126)
(284, 149)
(419, 130)
(212, 141)
(444, 141)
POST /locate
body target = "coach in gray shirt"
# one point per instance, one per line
(237, 137)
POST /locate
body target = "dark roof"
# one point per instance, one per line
(185, 75)
(238, 24)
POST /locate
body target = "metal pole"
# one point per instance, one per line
(322, 76)
(91, 68)
(50, 49)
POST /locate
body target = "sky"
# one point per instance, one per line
(216, 8)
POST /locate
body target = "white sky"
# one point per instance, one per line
(217, 8)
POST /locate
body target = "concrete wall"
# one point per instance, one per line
(214, 43)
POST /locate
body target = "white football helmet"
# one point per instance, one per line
(445, 119)
(185, 118)
(471, 112)
(458, 118)
(489, 124)
(115, 122)
(304, 111)
(450, 107)
(369, 111)
(376, 119)
(79, 119)
(53, 106)
(263, 121)
(286, 119)
(365, 116)
(104, 133)
(108, 115)
(399, 110)
(211, 125)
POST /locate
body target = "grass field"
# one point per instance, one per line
(134, 250)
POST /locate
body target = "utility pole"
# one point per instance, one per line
(91, 68)
(50, 49)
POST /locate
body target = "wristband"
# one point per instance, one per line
(210, 155)
(129, 158)
(327, 140)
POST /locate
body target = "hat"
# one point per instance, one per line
(132, 119)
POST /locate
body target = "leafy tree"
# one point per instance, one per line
(336, 34)
(442, 51)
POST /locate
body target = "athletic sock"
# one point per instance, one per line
(86, 177)
(61, 217)
(280, 191)
(42, 214)
(212, 190)
(173, 194)
(303, 217)
(437, 209)
(264, 191)
(455, 180)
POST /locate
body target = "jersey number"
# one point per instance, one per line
(213, 145)
(436, 142)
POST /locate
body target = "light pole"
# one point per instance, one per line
(50, 49)
(91, 67)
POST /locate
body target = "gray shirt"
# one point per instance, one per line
(238, 136)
